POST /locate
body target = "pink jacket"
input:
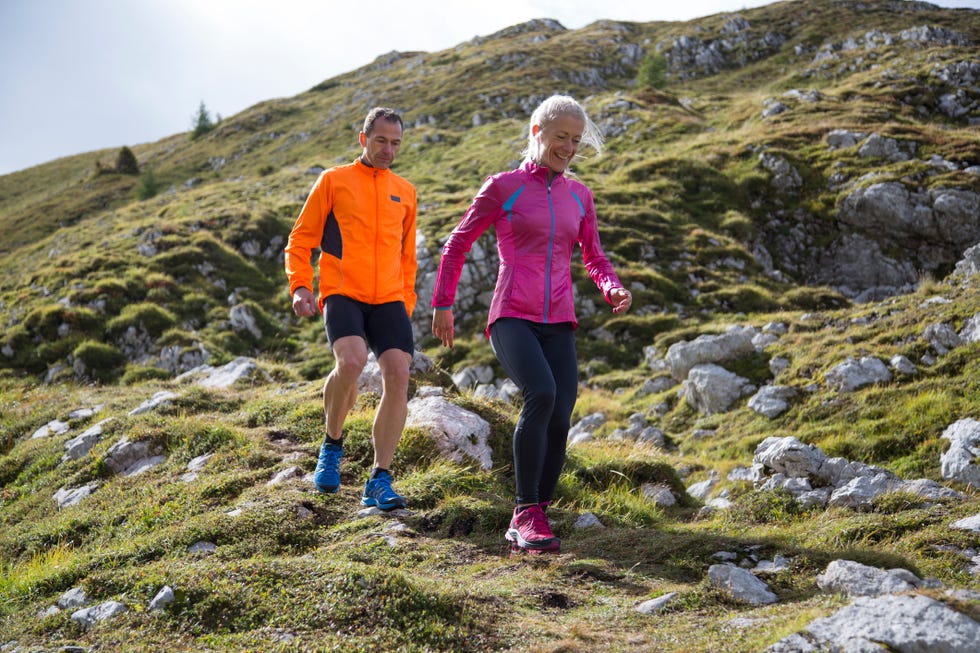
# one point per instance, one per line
(537, 227)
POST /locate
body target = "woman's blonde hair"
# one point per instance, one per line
(561, 105)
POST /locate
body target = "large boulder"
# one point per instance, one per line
(459, 434)
(959, 462)
(735, 343)
(713, 389)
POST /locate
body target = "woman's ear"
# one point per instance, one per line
(535, 129)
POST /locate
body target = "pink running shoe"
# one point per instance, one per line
(529, 530)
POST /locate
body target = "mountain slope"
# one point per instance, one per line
(807, 169)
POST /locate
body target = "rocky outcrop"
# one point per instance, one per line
(736, 44)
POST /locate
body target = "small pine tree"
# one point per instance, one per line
(148, 186)
(126, 162)
(202, 122)
(653, 71)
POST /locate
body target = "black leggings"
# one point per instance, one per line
(541, 360)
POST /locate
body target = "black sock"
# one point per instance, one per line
(378, 470)
(338, 442)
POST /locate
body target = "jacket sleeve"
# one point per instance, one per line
(596, 262)
(410, 264)
(306, 235)
(485, 209)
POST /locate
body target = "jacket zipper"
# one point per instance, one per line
(551, 245)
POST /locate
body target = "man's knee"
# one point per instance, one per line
(350, 356)
(395, 368)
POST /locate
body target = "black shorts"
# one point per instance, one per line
(384, 326)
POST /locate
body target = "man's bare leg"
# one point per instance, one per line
(340, 388)
(393, 409)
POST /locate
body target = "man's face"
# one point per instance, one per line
(381, 146)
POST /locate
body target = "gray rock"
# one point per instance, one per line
(284, 475)
(860, 492)
(87, 617)
(968, 523)
(907, 623)
(458, 433)
(854, 374)
(123, 454)
(855, 579)
(588, 520)
(772, 400)
(930, 490)
(886, 148)
(584, 429)
(942, 337)
(740, 584)
(702, 489)
(240, 369)
(903, 365)
(791, 457)
(841, 138)
(66, 497)
(162, 599)
(735, 343)
(959, 462)
(54, 427)
(243, 322)
(657, 605)
(712, 389)
(73, 598)
(469, 377)
(144, 464)
(202, 547)
(970, 263)
(79, 446)
(658, 493)
(162, 398)
(971, 330)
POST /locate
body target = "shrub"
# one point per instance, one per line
(48, 322)
(813, 299)
(151, 318)
(135, 374)
(98, 360)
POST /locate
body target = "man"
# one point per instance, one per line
(362, 217)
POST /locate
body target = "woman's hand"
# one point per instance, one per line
(442, 325)
(621, 299)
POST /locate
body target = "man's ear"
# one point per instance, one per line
(362, 138)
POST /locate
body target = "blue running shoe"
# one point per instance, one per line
(326, 478)
(378, 492)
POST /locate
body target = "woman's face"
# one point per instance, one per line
(558, 141)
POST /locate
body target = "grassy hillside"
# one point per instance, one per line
(105, 297)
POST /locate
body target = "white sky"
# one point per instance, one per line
(81, 75)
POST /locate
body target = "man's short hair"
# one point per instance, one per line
(383, 113)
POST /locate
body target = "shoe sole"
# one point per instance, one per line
(326, 489)
(516, 550)
(513, 535)
(391, 505)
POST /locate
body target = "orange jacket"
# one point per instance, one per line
(363, 221)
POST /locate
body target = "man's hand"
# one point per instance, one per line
(304, 303)
(442, 325)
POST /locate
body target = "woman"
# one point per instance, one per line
(540, 214)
